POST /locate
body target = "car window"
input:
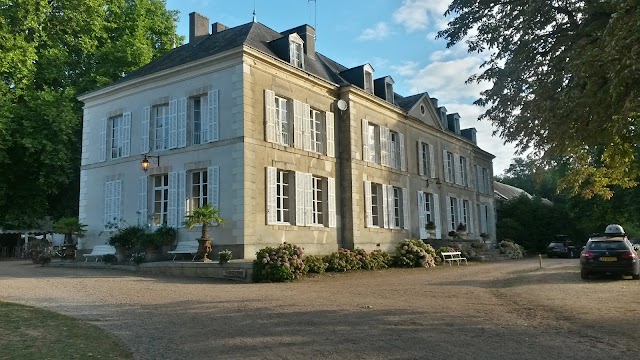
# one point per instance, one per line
(556, 244)
(607, 245)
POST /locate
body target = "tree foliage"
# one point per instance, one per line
(565, 77)
(51, 52)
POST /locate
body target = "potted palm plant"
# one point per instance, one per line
(70, 227)
(204, 216)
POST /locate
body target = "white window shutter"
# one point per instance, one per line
(331, 189)
(470, 224)
(330, 132)
(420, 158)
(126, 136)
(368, 215)
(146, 116)
(182, 123)
(403, 157)
(204, 119)
(306, 122)
(182, 197)
(172, 208)
(445, 164)
(270, 117)
(365, 140)
(385, 145)
(301, 196)
(213, 115)
(173, 124)
(142, 200)
(298, 127)
(468, 174)
(108, 195)
(457, 168)
(308, 205)
(213, 184)
(103, 139)
(385, 207)
(405, 209)
(448, 210)
(271, 195)
(479, 179)
(117, 200)
(432, 161)
(460, 212)
(421, 218)
(436, 215)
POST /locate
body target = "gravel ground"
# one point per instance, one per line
(504, 310)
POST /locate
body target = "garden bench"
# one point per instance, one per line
(452, 256)
(185, 247)
(99, 251)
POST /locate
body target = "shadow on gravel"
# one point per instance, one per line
(208, 330)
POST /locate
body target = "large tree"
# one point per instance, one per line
(565, 78)
(51, 52)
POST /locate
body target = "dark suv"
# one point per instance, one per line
(561, 246)
(609, 255)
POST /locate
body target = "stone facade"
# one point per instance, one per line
(319, 178)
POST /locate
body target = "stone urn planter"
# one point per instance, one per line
(204, 249)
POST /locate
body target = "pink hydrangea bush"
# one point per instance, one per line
(280, 264)
(414, 253)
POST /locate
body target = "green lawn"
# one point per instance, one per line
(30, 333)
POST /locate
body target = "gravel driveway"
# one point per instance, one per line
(504, 310)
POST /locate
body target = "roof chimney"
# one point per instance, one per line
(217, 27)
(198, 27)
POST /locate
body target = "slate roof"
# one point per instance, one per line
(256, 36)
(507, 192)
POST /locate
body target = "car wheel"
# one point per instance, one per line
(584, 274)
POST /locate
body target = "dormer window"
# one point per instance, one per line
(368, 81)
(389, 90)
(296, 52)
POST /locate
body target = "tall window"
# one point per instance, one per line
(117, 137)
(453, 213)
(394, 150)
(161, 122)
(450, 164)
(397, 208)
(486, 180)
(374, 143)
(376, 204)
(283, 206)
(198, 189)
(428, 208)
(283, 126)
(317, 131)
(464, 177)
(426, 158)
(317, 210)
(160, 199)
(197, 120)
(112, 199)
(466, 215)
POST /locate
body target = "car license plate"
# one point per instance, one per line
(605, 258)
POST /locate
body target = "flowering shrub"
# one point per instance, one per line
(39, 252)
(283, 263)
(376, 260)
(315, 264)
(414, 253)
(224, 256)
(138, 258)
(344, 260)
(512, 249)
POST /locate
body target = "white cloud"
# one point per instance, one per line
(407, 68)
(446, 79)
(417, 15)
(379, 32)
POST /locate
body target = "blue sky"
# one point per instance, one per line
(397, 37)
